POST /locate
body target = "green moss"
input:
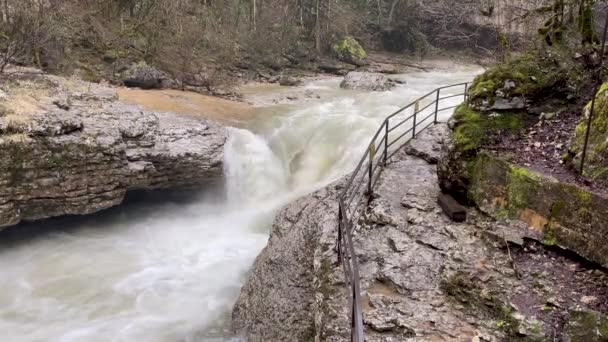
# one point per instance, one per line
(550, 239)
(349, 50)
(596, 166)
(522, 186)
(603, 330)
(532, 73)
(474, 128)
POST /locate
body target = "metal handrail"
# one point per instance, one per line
(351, 198)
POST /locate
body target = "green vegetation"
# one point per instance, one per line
(596, 166)
(522, 186)
(349, 50)
(474, 129)
(533, 74)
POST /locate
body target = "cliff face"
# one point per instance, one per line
(69, 148)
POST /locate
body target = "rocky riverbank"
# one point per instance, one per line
(423, 277)
(69, 147)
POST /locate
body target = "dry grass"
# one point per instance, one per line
(16, 138)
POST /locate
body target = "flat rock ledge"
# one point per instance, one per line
(70, 148)
(423, 277)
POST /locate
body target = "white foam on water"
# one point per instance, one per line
(171, 271)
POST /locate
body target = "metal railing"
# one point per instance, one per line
(396, 131)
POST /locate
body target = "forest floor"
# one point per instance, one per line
(542, 145)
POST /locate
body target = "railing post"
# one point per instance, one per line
(370, 192)
(466, 93)
(437, 105)
(416, 108)
(339, 242)
(386, 143)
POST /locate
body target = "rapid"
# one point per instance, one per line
(170, 270)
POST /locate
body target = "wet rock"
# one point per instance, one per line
(84, 160)
(340, 69)
(428, 144)
(366, 81)
(294, 274)
(142, 75)
(289, 81)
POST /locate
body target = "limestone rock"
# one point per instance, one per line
(428, 145)
(141, 75)
(281, 299)
(57, 162)
(509, 104)
(356, 80)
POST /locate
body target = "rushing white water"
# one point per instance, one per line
(171, 270)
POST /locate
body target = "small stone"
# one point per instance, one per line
(509, 84)
(588, 299)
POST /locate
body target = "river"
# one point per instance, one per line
(170, 270)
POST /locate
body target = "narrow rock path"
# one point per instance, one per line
(423, 277)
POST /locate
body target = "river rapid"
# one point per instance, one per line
(170, 270)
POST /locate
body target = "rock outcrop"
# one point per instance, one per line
(423, 277)
(556, 213)
(356, 80)
(69, 148)
(596, 164)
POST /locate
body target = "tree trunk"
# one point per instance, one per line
(392, 12)
(253, 13)
(318, 29)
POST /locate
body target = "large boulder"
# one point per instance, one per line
(525, 80)
(596, 164)
(356, 80)
(350, 51)
(69, 148)
(142, 75)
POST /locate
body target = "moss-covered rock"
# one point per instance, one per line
(472, 131)
(523, 80)
(350, 51)
(596, 165)
(587, 325)
(558, 213)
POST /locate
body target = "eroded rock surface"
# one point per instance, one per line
(423, 277)
(68, 147)
(356, 80)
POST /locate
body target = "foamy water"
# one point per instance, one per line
(170, 271)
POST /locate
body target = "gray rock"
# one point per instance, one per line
(366, 81)
(142, 75)
(509, 84)
(85, 160)
(428, 144)
(289, 81)
(509, 103)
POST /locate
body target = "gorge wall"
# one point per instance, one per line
(68, 147)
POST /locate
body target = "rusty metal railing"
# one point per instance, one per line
(396, 131)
